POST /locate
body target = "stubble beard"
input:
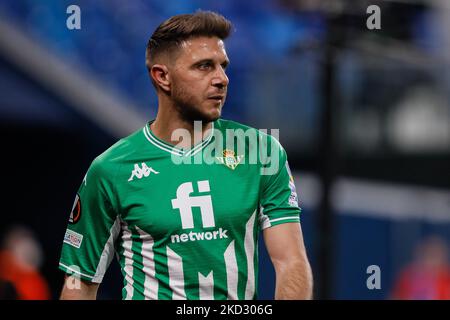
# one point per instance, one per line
(185, 107)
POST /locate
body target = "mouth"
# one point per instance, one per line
(217, 97)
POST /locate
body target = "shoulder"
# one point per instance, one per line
(270, 135)
(267, 138)
(107, 163)
(224, 124)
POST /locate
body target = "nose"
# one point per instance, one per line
(220, 78)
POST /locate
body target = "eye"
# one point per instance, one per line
(204, 66)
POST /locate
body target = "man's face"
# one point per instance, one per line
(198, 79)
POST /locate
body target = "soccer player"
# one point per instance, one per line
(184, 214)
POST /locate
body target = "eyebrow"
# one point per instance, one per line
(225, 63)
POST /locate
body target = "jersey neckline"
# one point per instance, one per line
(167, 147)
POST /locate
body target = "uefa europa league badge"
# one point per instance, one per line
(229, 159)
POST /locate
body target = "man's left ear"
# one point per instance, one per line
(160, 74)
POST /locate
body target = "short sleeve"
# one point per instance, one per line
(278, 201)
(93, 227)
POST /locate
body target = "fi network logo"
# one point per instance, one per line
(184, 202)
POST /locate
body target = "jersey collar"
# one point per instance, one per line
(167, 147)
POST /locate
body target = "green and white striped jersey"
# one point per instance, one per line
(184, 223)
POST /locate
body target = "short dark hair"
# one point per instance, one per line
(172, 32)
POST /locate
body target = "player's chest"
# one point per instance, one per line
(176, 199)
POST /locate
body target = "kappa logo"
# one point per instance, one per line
(144, 171)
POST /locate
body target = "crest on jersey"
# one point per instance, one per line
(229, 159)
(75, 214)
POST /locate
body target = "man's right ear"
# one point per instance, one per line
(160, 74)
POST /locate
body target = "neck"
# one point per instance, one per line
(171, 127)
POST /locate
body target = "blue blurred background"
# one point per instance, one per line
(363, 114)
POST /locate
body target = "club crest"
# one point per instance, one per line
(229, 159)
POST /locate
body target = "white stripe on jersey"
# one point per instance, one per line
(286, 218)
(174, 150)
(232, 271)
(263, 219)
(108, 252)
(200, 146)
(127, 243)
(158, 144)
(176, 275)
(206, 286)
(75, 271)
(150, 282)
(249, 246)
